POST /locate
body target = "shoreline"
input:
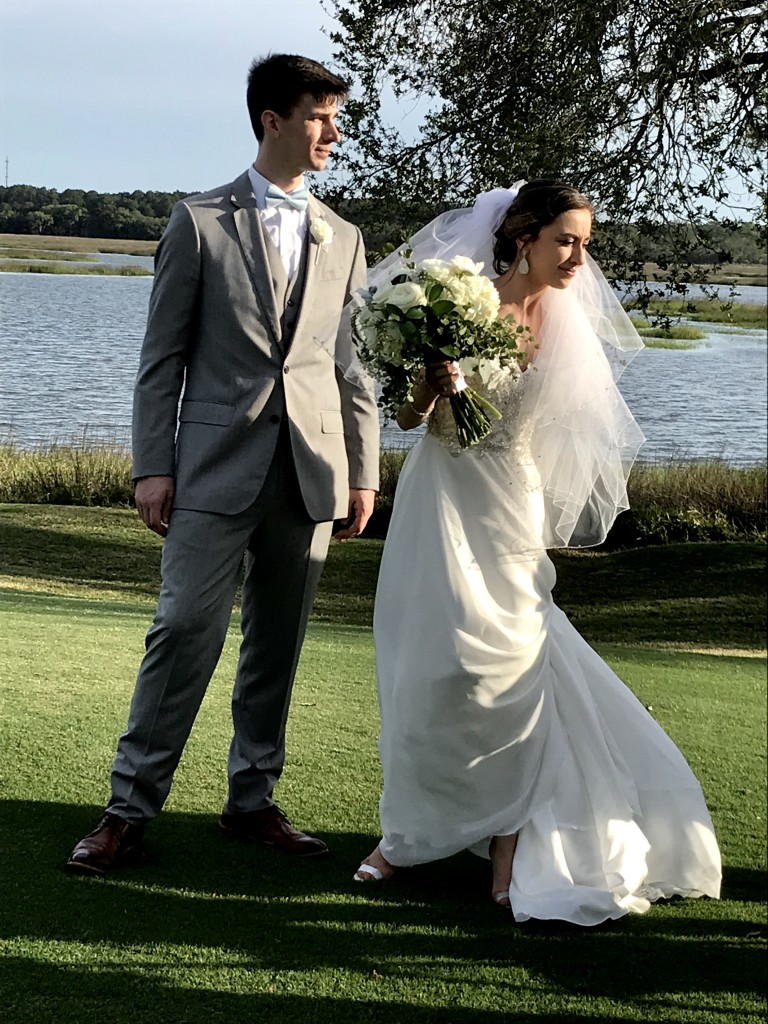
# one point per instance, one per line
(73, 269)
(737, 274)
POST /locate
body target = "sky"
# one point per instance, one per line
(117, 95)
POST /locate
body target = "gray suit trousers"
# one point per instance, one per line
(284, 555)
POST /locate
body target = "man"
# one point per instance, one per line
(269, 444)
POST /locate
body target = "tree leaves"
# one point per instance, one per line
(655, 110)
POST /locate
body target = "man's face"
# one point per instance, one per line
(307, 136)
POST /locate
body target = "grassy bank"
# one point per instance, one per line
(99, 269)
(209, 932)
(734, 273)
(45, 254)
(730, 273)
(675, 336)
(71, 243)
(669, 502)
(710, 311)
(675, 332)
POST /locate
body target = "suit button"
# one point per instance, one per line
(274, 418)
(290, 302)
(286, 369)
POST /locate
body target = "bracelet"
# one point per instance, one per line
(417, 412)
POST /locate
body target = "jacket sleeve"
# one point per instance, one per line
(358, 407)
(171, 324)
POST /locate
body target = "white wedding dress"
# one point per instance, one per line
(497, 717)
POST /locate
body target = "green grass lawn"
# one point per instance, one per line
(207, 930)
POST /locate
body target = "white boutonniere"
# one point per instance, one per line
(322, 232)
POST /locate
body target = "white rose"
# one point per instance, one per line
(405, 295)
(321, 231)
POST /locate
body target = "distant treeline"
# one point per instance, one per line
(27, 209)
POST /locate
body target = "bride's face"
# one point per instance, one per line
(556, 255)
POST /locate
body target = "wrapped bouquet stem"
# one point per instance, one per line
(432, 311)
(473, 415)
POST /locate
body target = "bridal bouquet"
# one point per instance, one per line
(429, 311)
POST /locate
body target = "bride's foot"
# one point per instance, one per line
(375, 868)
(502, 852)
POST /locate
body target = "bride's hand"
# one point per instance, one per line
(442, 377)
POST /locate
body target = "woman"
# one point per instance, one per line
(502, 731)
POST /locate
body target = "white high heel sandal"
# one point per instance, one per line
(368, 869)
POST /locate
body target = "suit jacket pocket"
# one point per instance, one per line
(331, 421)
(215, 413)
(331, 273)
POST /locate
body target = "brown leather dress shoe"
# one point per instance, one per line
(270, 827)
(112, 843)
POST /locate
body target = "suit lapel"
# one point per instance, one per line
(252, 242)
(314, 256)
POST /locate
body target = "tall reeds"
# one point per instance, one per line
(65, 474)
(675, 501)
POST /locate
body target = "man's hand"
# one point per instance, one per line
(154, 501)
(361, 504)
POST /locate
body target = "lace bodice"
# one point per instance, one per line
(504, 388)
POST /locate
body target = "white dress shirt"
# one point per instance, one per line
(285, 226)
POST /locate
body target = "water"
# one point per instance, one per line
(752, 294)
(70, 348)
(69, 354)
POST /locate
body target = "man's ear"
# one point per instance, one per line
(270, 122)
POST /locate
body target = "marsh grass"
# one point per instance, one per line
(66, 474)
(728, 273)
(709, 311)
(45, 254)
(51, 267)
(677, 501)
(75, 244)
(678, 332)
(677, 346)
(687, 501)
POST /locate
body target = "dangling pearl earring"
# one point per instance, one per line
(522, 266)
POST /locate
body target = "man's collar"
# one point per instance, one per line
(260, 184)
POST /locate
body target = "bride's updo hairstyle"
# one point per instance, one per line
(535, 206)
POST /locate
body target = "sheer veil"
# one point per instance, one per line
(584, 438)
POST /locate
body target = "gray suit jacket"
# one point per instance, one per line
(215, 332)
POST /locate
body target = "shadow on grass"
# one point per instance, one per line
(124, 558)
(708, 594)
(127, 558)
(83, 992)
(711, 594)
(236, 908)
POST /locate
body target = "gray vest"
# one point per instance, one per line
(288, 294)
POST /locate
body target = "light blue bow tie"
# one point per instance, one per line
(296, 199)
